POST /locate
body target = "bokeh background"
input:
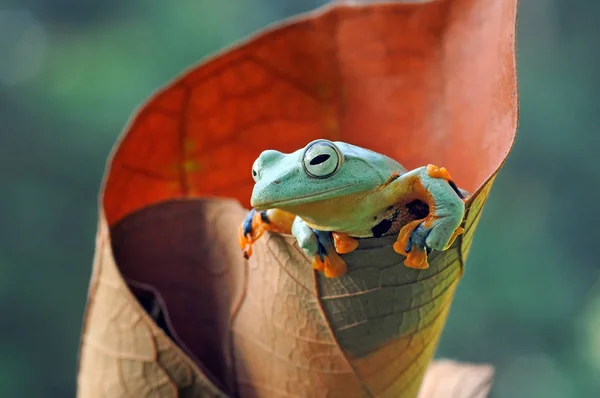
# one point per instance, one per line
(72, 72)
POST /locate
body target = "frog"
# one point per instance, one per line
(331, 194)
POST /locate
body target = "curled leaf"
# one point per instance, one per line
(175, 311)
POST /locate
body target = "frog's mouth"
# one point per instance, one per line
(304, 199)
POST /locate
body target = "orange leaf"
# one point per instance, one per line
(174, 309)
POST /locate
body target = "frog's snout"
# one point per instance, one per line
(266, 160)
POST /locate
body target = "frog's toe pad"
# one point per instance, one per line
(318, 263)
(343, 243)
(244, 242)
(333, 266)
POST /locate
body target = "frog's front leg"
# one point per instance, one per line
(322, 247)
(440, 228)
(257, 222)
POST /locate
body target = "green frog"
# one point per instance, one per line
(328, 195)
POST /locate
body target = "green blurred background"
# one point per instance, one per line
(71, 73)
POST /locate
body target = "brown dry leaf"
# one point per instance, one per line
(175, 311)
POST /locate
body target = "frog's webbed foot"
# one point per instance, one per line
(440, 228)
(419, 238)
(321, 247)
(257, 222)
(251, 229)
(326, 258)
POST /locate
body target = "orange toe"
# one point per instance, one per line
(242, 240)
(404, 236)
(416, 258)
(334, 266)
(247, 240)
(344, 243)
(317, 263)
(438, 172)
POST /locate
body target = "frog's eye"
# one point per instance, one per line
(321, 159)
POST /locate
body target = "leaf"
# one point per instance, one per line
(174, 309)
(446, 378)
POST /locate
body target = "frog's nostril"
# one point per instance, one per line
(269, 156)
(267, 159)
(255, 175)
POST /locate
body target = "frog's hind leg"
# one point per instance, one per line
(438, 230)
(257, 222)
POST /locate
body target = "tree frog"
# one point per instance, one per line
(328, 195)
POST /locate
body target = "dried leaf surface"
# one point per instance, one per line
(174, 310)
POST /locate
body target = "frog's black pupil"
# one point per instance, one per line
(319, 159)
(254, 172)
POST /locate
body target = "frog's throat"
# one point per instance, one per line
(314, 197)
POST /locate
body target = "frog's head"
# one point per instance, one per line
(321, 170)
